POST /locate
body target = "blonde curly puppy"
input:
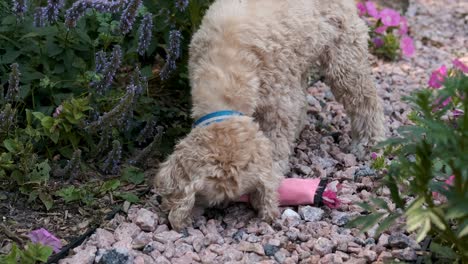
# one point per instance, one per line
(251, 57)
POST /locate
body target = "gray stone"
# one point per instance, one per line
(115, 256)
(364, 171)
(311, 214)
(270, 250)
(399, 241)
(323, 246)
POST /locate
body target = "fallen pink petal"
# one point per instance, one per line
(44, 237)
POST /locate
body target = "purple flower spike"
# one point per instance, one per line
(128, 16)
(80, 7)
(145, 33)
(53, 9)
(174, 43)
(39, 17)
(45, 238)
(20, 7)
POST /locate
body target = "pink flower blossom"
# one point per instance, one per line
(457, 112)
(378, 42)
(460, 65)
(361, 8)
(372, 9)
(374, 156)
(449, 182)
(403, 30)
(57, 111)
(390, 17)
(407, 46)
(380, 30)
(45, 238)
(437, 77)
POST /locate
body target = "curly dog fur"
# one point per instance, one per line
(253, 56)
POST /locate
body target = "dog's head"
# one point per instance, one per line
(212, 164)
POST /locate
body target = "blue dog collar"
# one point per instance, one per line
(215, 117)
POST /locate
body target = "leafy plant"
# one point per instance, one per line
(81, 80)
(428, 176)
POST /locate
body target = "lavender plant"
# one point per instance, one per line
(83, 86)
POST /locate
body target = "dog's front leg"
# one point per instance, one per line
(180, 215)
(265, 198)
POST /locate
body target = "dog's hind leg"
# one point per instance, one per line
(280, 118)
(348, 73)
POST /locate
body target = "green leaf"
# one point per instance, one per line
(36, 252)
(11, 145)
(46, 200)
(47, 122)
(110, 185)
(463, 229)
(386, 223)
(127, 196)
(40, 173)
(12, 257)
(443, 251)
(133, 175)
(70, 194)
(425, 228)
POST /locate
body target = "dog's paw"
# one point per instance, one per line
(269, 215)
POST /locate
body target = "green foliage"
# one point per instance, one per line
(32, 254)
(430, 166)
(60, 124)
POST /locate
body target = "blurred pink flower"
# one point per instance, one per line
(372, 9)
(361, 8)
(390, 17)
(437, 77)
(45, 238)
(57, 111)
(378, 42)
(460, 65)
(380, 30)
(374, 156)
(457, 112)
(403, 30)
(330, 199)
(449, 182)
(407, 46)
